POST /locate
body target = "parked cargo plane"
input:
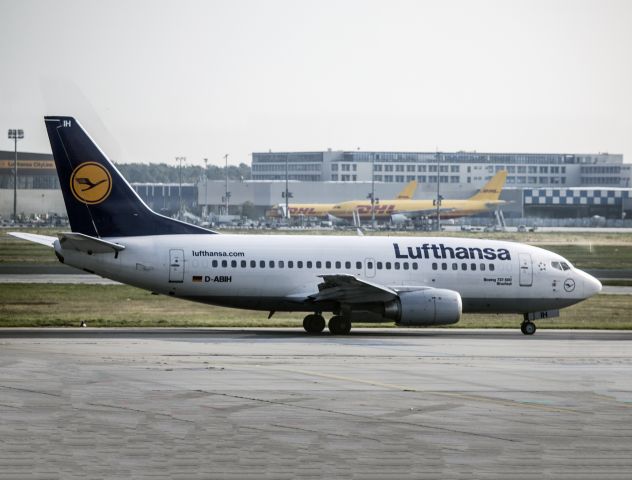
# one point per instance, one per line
(487, 198)
(322, 210)
(413, 281)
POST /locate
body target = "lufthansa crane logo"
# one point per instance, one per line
(91, 183)
(569, 284)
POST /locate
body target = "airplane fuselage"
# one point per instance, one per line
(277, 272)
(385, 210)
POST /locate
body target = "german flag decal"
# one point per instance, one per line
(197, 278)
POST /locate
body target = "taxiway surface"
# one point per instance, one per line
(277, 403)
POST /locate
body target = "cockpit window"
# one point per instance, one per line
(560, 266)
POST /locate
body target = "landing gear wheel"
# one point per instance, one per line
(314, 323)
(528, 328)
(339, 325)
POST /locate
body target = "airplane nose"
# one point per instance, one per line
(592, 286)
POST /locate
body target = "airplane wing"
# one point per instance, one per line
(347, 288)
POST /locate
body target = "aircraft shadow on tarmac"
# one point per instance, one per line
(286, 333)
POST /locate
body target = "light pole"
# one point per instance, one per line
(439, 197)
(205, 187)
(15, 134)
(372, 194)
(180, 160)
(287, 194)
(226, 192)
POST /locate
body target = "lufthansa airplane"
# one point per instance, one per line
(412, 281)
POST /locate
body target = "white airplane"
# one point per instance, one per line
(413, 281)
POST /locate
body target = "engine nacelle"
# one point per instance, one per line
(432, 306)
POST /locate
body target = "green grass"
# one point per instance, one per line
(23, 305)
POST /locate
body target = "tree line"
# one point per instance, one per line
(163, 173)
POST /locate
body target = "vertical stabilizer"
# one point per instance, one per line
(491, 190)
(99, 201)
(408, 191)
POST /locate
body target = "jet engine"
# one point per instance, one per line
(431, 306)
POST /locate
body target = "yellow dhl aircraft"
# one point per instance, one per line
(322, 210)
(486, 199)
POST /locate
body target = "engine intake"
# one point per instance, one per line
(432, 306)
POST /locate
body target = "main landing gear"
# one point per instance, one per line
(314, 323)
(338, 325)
(527, 327)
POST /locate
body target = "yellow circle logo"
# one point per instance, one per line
(91, 183)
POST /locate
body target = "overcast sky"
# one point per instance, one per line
(152, 80)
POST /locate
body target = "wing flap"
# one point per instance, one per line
(347, 288)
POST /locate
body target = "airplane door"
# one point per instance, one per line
(176, 266)
(369, 267)
(526, 270)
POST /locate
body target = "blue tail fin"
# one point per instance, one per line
(99, 201)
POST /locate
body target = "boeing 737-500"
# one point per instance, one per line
(412, 281)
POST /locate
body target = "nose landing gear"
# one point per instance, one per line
(527, 327)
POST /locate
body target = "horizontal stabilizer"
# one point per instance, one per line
(88, 244)
(32, 237)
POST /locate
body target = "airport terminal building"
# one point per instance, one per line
(525, 170)
(542, 185)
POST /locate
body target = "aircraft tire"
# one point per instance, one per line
(314, 323)
(339, 325)
(528, 328)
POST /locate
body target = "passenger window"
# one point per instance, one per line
(290, 264)
(455, 266)
(233, 263)
(253, 264)
(243, 264)
(379, 265)
(214, 263)
(359, 265)
(444, 266)
(396, 264)
(473, 267)
(464, 266)
(281, 264)
(434, 266)
(405, 265)
(347, 265)
(309, 264)
(327, 264)
(262, 263)
(415, 266)
(369, 265)
(271, 264)
(388, 265)
(482, 267)
(338, 264)
(491, 267)
(319, 264)
(224, 263)
(299, 264)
